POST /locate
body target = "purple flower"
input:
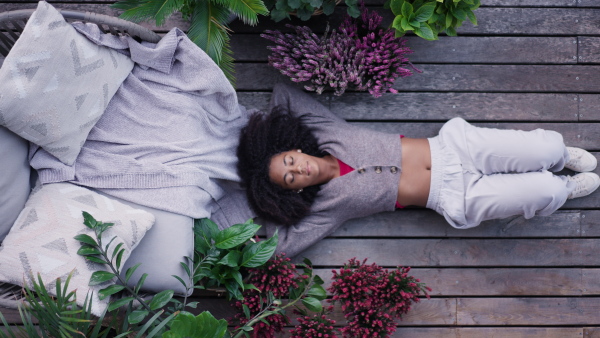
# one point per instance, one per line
(357, 56)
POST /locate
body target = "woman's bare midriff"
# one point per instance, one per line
(415, 179)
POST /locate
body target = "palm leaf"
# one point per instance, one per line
(209, 31)
(247, 10)
(140, 10)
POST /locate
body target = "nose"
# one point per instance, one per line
(299, 169)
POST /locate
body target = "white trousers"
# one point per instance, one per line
(480, 174)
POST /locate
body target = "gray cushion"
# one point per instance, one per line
(55, 84)
(164, 246)
(14, 178)
(41, 240)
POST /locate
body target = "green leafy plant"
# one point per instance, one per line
(304, 9)
(57, 316)
(429, 18)
(208, 21)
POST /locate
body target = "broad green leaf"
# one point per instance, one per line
(305, 13)
(180, 280)
(121, 302)
(257, 254)
(459, 14)
(111, 290)
(312, 304)
(130, 271)
(140, 282)
(87, 250)
(95, 259)
(99, 277)
(424, 12)
(294, 4)
(425, 32)
(472, 17)
(328, 7)
(313, 3)
(88, 220)
(318, 292)
(203, 325)
(231, 259)
(405, 25)
(237, 276)
(318, 280)
(116, 249)
(235, 235)
(451, 31)
(161, 299)
(86, 239)
(397, 23)
(407, 9)
(353, 11)
(137, 316)
(449, 19)
(119, 257)
(279, 14)
(205, 231)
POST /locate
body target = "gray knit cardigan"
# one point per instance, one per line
(371, 188)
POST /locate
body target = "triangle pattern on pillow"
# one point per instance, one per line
(58, 245)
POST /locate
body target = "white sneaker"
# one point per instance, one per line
(587, 183)
(580, 160)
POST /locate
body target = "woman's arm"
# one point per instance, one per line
(300, 103)
(297, 238)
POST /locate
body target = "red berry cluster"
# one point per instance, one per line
(278, 275)
(314, 326)
(372, 297)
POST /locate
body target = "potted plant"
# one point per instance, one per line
(359, 56)
(429, 18)
(208, 21)
(281, 9)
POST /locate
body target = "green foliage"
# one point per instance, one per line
(429, 18)
(220, 254)
(57, 316)
(304, 9)
(208, 21)
(202, 325)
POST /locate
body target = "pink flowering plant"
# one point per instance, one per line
(372, 298)
(358, 56)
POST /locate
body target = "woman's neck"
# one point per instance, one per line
(331, 168)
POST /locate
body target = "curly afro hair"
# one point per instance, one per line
(265, 136)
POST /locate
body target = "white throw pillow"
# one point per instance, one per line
(55, 84)
(41, 240)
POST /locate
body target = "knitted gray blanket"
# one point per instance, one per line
(168, 136)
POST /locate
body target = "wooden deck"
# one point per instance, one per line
(529, 64)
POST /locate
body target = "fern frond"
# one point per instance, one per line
(209, 31)
(247, 10)
(141, 10)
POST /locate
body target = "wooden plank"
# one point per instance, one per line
(455, 77)
(499, 282)
(590, 281)
(588, 49)
(528, 311)
(470, 106)
(445, 252)
(444, 106)
(479, 332)
(588, 107)
(461, 49)
(427, 223)
(591, 332)
(590, 223)
(490, 332)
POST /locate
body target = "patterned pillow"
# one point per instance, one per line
(41, 240)
(55, 84)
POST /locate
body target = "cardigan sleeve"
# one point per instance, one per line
(296, 238)
(299, 103)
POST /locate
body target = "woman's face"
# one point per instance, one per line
(295, 170)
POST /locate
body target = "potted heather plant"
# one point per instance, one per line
(358, 56)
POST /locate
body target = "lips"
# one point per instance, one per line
(307, 168)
